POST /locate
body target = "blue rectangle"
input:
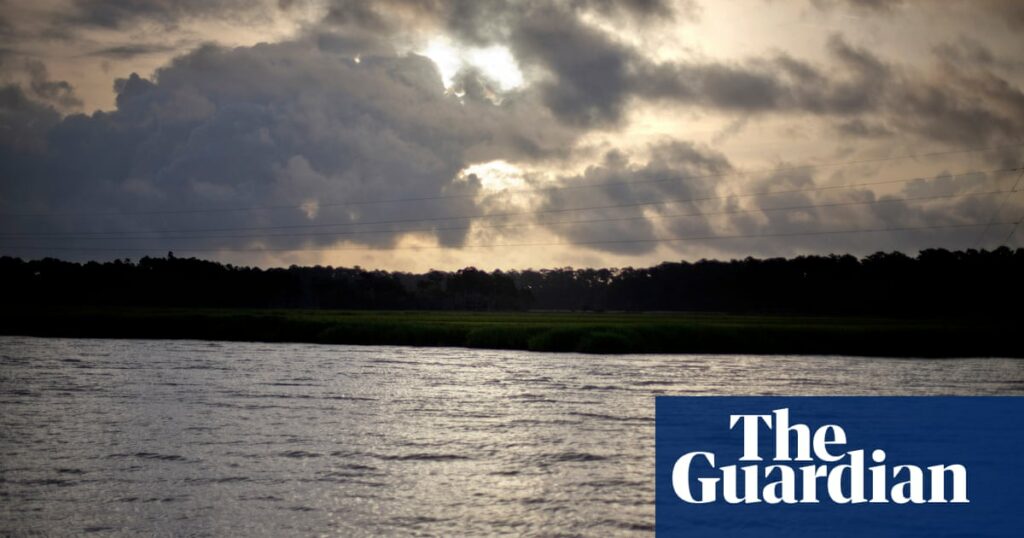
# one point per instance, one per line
(984, 435)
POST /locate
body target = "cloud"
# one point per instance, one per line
(857, 128)
(343, 112)
(132, 50)
(643, 9)
(1009, 12)
(958, 106)
(58, 92)
(478, 22)
(24, 124)
(685, 191)
(589, 78)
(114, 14)
(585, 72)
(589, 73)
(895, 220)
(876, 6)
(632, 197)
(950, 104)
(484, 22)
(287, 124)
(776, 84)
(33, 77)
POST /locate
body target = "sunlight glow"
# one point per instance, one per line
(496, 62)
(496, 175)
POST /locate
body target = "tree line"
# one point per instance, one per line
(935, 282)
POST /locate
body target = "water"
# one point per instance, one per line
(203, 438)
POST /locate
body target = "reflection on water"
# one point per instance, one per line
(187, 437)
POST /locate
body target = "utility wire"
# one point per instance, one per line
(509, 191)
(491, 215)
(998, 211)
(516, 245)
(1016, 225)
(558, 222)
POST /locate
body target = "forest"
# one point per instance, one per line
(934, 283)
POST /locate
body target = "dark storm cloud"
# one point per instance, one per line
(777, 84)
(484, 22)
(472, 21)
(1009, 12)
(922, 203)
(881, 6)
(958, 104)
(857, 128)
(642, 9)
(588, 72)
(590, 79)
(24, 122)
(673, 173)
(591, 76)
(594, 78)
(270, 125)
(119, 13)
(303, 123)
(963, 104)
(33, 78)
(58, 92)
(132, 50)
(365, 15)
(694, 190)
(965, 51)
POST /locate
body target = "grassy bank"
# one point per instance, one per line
(581, 332)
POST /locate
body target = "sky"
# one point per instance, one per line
(438, 134)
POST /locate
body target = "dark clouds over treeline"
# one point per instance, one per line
(342, 113)
(275, 124)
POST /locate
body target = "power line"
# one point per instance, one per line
(998, 211)
(129, 234)
(1013, 230)
(517, 245)
(547, 223)
(509, 191)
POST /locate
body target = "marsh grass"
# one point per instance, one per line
(536, 331)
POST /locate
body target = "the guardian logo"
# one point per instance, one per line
(810, 467)
(838, 466)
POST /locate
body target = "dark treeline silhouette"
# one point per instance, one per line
(934, 283)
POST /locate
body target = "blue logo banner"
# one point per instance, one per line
(839, 466)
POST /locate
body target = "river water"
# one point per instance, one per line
(128, 437)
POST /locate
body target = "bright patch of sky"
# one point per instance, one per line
(496, 175)
(496, 62)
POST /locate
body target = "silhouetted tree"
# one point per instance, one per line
(936, 282)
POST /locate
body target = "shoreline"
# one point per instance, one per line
(592, 333)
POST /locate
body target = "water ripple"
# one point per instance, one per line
(198, 438)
